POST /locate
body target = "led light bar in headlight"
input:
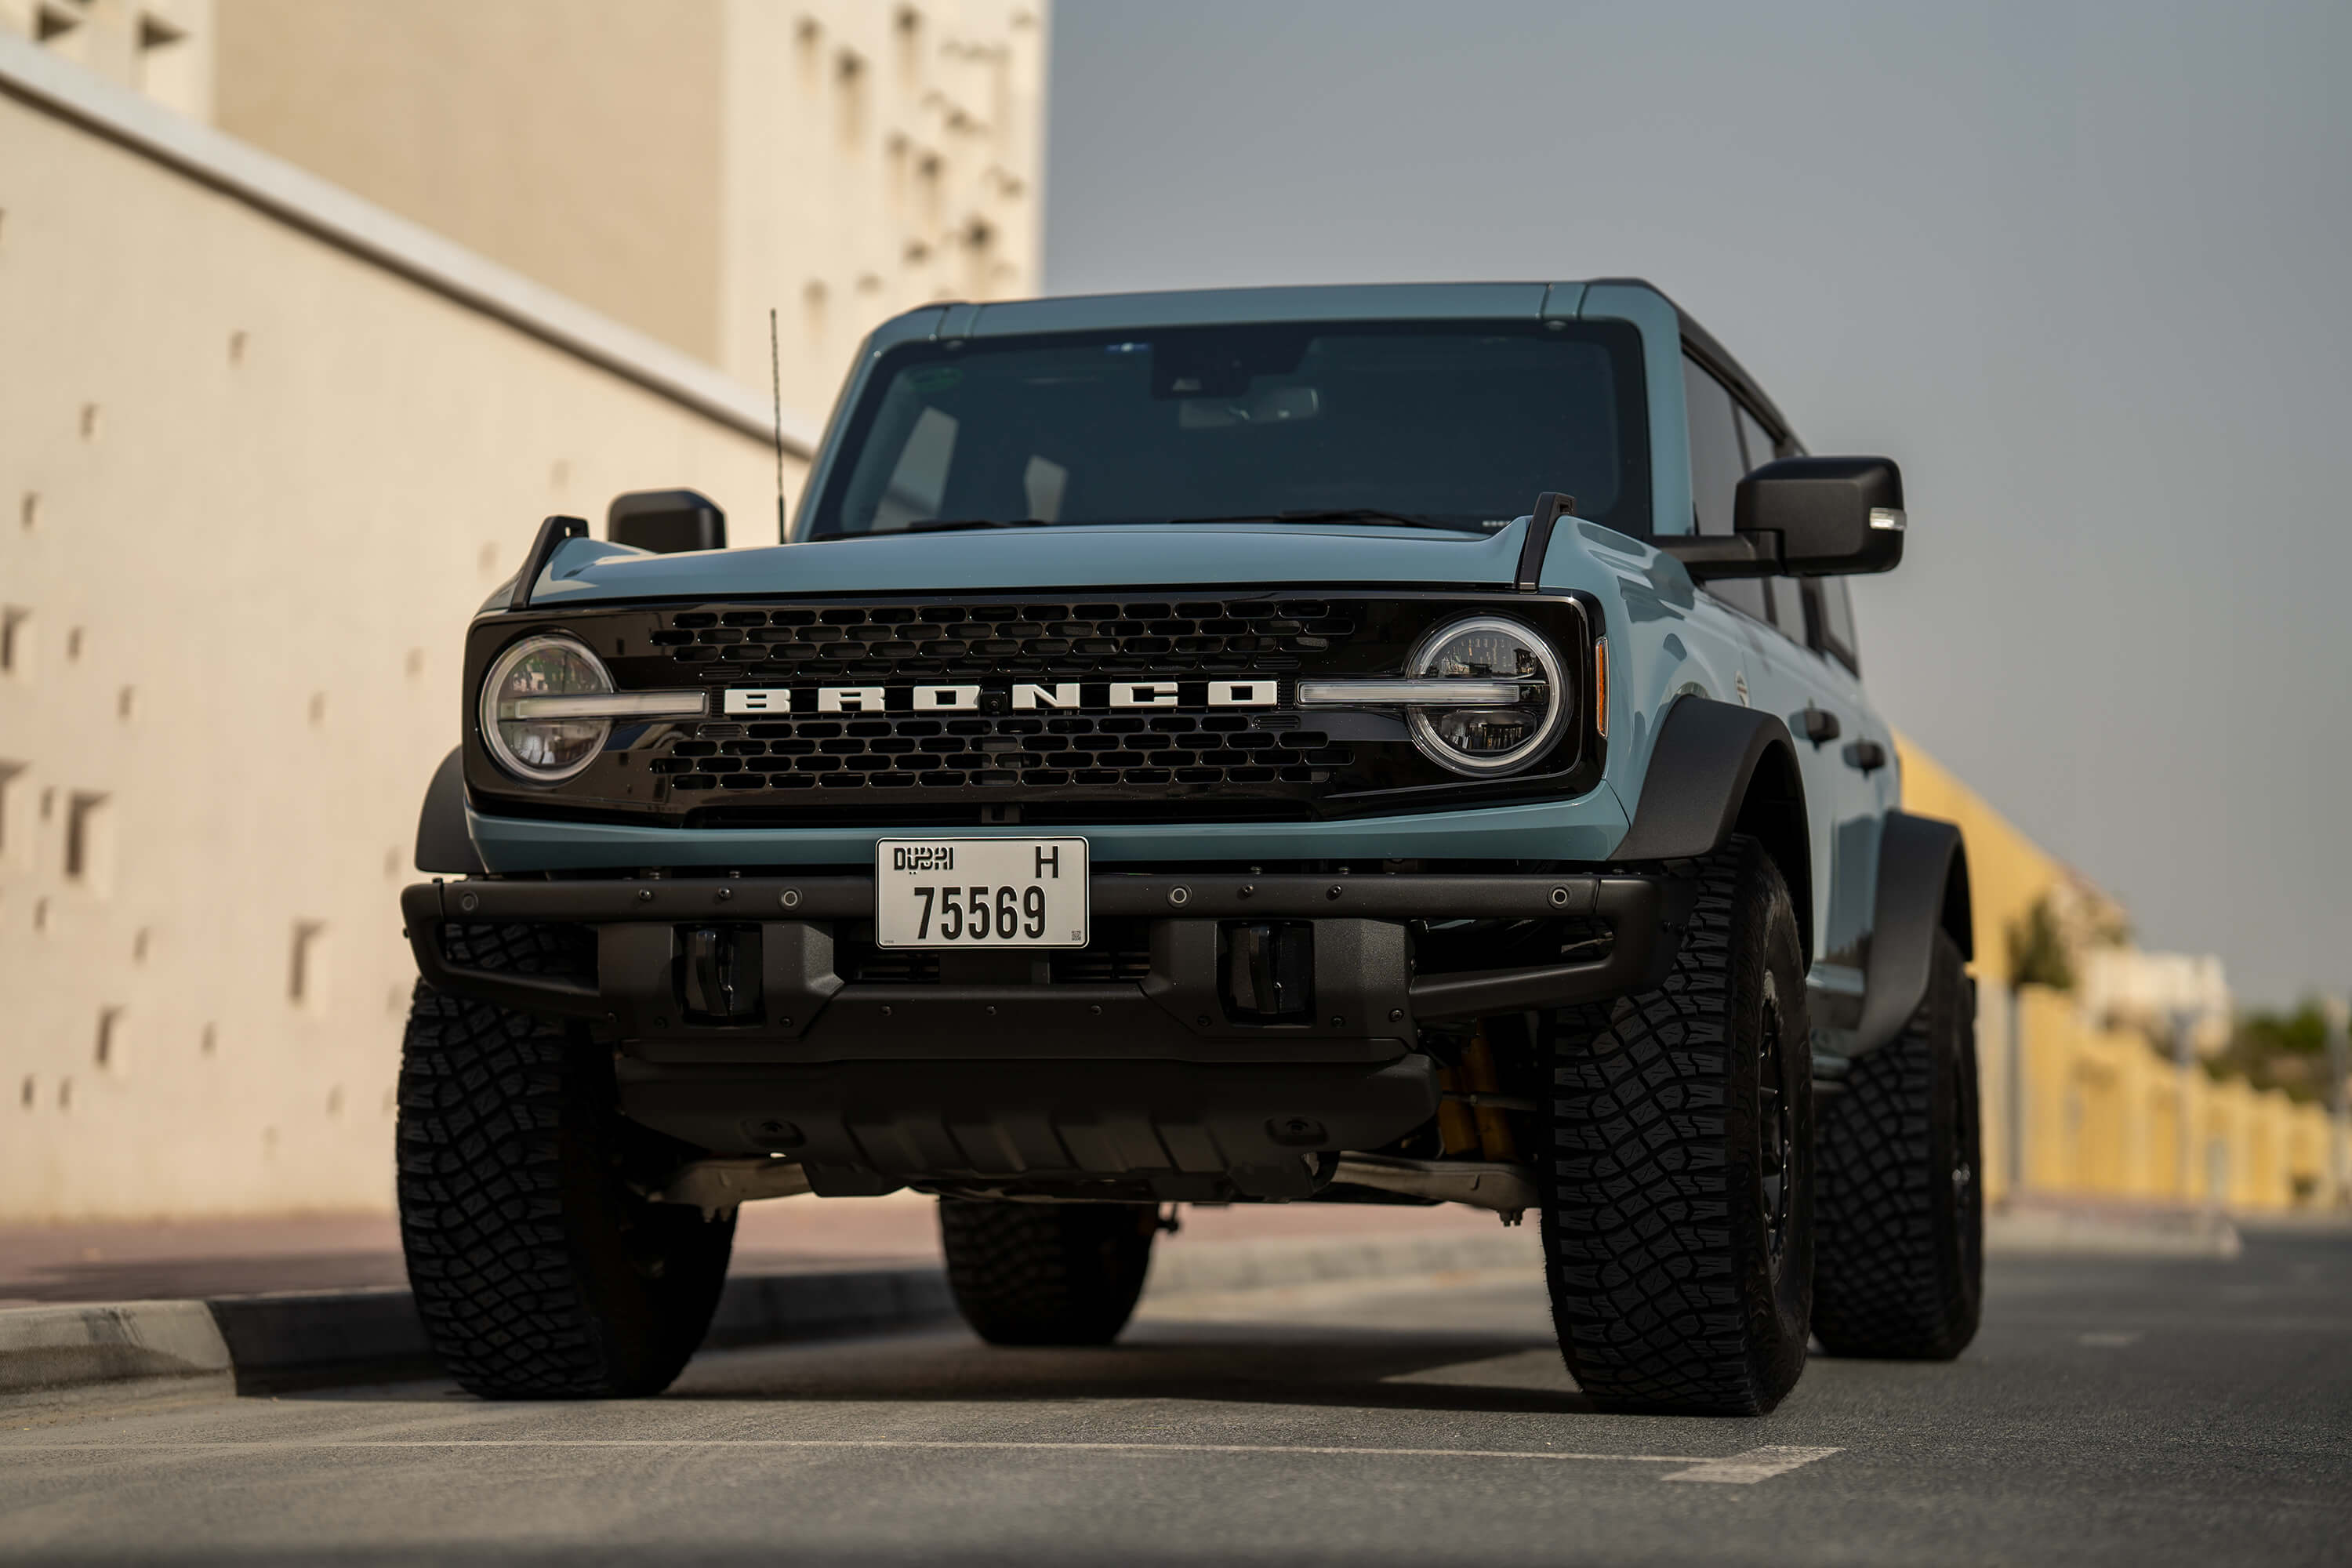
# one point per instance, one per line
(1355, 693)
(609, 705)
(1483, 697)
(548, 707)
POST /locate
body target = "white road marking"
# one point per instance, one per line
(2110, 1339)
(1754, 1464)
(271, 1444)
(1745, 1469)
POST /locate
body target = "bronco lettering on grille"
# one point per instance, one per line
(1018, 697)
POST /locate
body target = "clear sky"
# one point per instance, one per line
(2082, 268)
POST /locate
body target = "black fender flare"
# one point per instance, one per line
(1922, 888)
(1716, 769)
(442, 842)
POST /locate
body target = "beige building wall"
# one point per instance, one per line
(683, 167)
(575, 141)
(878, 157)
(268, 440)
(252, 485)
(162, 49)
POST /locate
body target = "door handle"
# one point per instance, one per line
(1817, 725)
(1867, 755)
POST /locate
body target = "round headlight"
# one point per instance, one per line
(544, 748)
(1488, 737)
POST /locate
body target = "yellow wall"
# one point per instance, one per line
(2102, 1108)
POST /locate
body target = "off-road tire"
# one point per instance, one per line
(1898, 1248)
(539, 1269)
(1672, 1288)
(1047, 1274)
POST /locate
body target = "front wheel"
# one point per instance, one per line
(540, 1270)
(1677, 1217)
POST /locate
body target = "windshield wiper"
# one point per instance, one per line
(1332, 514)
(942, 524)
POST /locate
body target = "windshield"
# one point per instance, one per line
(1459, 424)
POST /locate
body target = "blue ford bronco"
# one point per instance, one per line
(1366, 744)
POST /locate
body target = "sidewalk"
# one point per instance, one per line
(2044, 1223)
(212, 1258)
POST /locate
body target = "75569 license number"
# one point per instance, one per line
(979, 892)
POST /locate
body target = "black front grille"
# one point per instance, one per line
(904, 751)
(1093, 761)
(1150, 636)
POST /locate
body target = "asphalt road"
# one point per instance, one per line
(2112, 1411)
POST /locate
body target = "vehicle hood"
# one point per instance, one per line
(1121, 558)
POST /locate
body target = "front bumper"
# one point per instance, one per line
(1366, 1000)
(993, 1074)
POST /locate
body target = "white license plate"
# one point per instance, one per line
(979, 892)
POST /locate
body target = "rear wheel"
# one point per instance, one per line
(1047, 1274)
(1898, 1268)
(539, 1269)
(1678, 1197)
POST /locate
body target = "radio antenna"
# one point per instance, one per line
(776, 383)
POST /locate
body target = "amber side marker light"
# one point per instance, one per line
(1600, 686)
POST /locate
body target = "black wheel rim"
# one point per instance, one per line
(1775, 1134)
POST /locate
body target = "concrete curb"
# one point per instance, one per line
(126, 1347)
(770, 1309)
(298, 1339)
(1259, 1265)
(312, 1338)
(309, 1339)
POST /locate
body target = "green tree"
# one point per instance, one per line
(2278, 1050)
(2037, 950)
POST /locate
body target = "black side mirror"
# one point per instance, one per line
(1805, 517)
(1821, 516)
(667, 521)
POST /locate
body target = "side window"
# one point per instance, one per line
(1787, 593)
(1715, 456)
(1715, 467)
(1837, 623)
(1752, 436)
(1788, 609)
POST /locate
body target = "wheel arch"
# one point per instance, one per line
(1717, 769)
(1923, 893)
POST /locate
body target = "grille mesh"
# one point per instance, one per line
(1004, 639)
(882, 752)
(892, 751)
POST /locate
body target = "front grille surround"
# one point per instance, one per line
(1191, 761)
